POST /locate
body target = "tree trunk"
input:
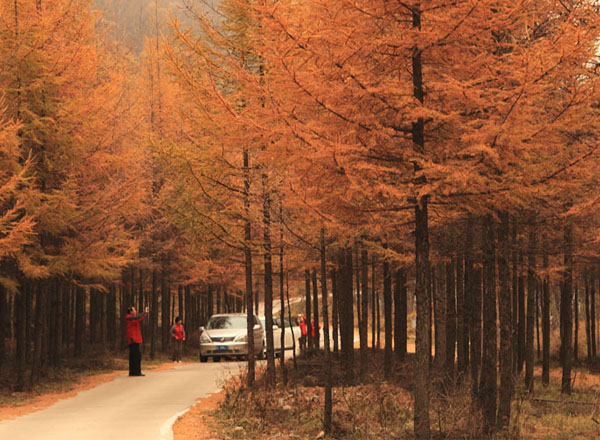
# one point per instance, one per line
(566, 313)
(21, 342)
(462, 323)
(271, 378)
(282, 302)
(506, 325)
(358, 301)
(593, 273)
(576, 324)
(489, 376)
(588, 335)
(537, 319)
(521, 325)
(335, 309)
(39, 327)
(400, 314)
(422, 339)
(546, 325)
(474, 288)
(153, 316)
(317, 338)
(347, 316)
(363, 269)
(248, 270)
(531, 287)
(450, 320)
(373, 304)
(3, 325)
(515, 299)
(387, 310)
(165, 299)
(328, 409)
(308, 303)
(80, 320)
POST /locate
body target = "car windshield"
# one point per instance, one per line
(223, 322)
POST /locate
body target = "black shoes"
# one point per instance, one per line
(141, 374)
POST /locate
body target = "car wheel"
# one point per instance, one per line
(203, 358)
(216, 359)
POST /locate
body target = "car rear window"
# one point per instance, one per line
(222, 322)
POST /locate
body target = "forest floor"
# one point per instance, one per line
(383, 409)
(67, 382)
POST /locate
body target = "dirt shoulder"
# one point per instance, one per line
(198, 423)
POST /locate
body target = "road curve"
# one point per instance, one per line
(132, 408)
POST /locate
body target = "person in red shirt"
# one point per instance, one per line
(178, 335)
(133, 334)
(303, 331)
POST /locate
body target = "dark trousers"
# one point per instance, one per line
(135, 359)
(177, 348)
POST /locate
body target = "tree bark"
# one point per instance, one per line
(462, 324)
(521, 324)
(165, 298)
(546, 326)
(576, 324)
(373, 304)
(450, 320)
(271, 378)
(515, 299)
(565, 310)
(248, 271)
(308, 300)
(153, 317)
(80, 320)
(506, 325)
(328, 409)
(39, 327)
(347, 317)
(335, 309)
(400, 314)
(21, 345)
(3, 325)
(363, 326)
(387, 310)
(531, 287)
(282, 302)
(489, 376)
(316, 339)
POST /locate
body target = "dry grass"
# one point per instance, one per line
(376, 409)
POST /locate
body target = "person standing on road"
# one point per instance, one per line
(134, 339)
(303, 331)
(178, 335)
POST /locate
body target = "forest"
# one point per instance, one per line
(423, 173)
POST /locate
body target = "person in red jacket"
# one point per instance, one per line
(303, 332)
(178, 335)
(134, 339)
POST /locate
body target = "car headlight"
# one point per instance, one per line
(205, 338)
(241, 338)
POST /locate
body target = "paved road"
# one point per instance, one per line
(129, 408)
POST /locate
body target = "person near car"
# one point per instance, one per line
(303, 331)
(133, 334)
(178, 335)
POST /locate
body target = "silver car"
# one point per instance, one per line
(226, 336)
(292, 331)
